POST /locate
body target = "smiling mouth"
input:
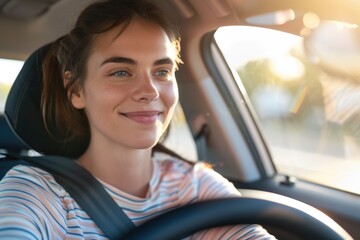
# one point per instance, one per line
(143, 117)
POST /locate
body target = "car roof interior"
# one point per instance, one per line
(47, 20)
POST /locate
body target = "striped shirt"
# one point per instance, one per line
(34, 206)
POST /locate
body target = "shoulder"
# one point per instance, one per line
(208, 182)
(174, 172)
(31, 179)
(175, 165)
(27, 173)
(199, 170)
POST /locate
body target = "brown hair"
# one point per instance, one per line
(71, 53)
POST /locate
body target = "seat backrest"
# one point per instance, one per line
(9, 142)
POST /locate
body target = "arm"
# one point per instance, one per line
(213, 185)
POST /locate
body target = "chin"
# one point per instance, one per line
(145, 143)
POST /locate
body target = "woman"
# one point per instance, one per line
(117, 86)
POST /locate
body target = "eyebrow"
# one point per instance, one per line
(133, 62)
(118, 60)
(164, 61)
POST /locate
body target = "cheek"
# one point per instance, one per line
(106, 94)
(171, 96)
(170, 100)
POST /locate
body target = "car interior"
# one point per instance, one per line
(279, 145)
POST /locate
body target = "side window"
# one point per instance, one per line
(309, 119)
(9, 71)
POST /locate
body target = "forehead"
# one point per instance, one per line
(141, 38)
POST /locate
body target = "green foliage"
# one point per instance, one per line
(257, 74)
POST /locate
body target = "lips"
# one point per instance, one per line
(143, 117)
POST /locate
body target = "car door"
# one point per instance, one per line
(265, 114)
(299, 119)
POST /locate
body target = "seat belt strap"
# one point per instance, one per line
(201, 141)
(87, 191)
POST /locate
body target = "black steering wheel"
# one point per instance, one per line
(288, 214)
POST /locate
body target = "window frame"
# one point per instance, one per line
(237, 101)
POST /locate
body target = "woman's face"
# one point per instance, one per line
(130, 90)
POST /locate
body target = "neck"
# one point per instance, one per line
(129, 170)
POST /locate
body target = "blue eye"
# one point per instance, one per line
(163, 73)
(120, 74)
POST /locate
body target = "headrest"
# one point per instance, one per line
(23, 111)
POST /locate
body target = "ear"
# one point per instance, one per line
(77, 96)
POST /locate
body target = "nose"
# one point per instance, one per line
(145, 89)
